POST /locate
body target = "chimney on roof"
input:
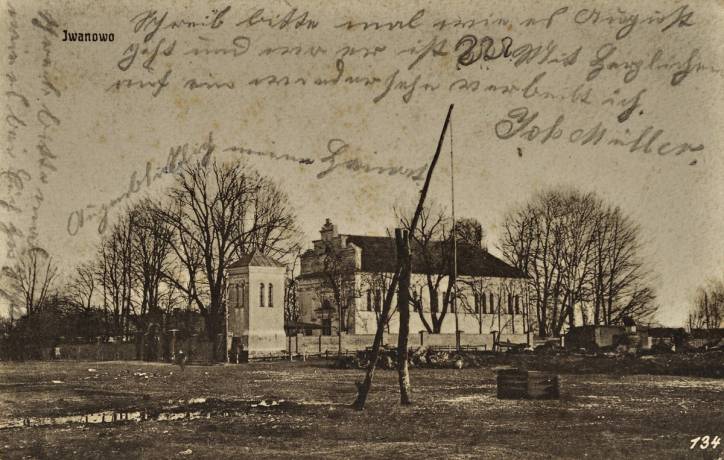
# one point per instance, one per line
(328, 231)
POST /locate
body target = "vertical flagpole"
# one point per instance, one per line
(455, 244)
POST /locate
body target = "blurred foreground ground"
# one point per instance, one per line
(455, 413)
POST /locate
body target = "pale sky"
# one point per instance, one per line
(104, 136)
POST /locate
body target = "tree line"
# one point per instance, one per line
(169, 252)
(707, 309)
(583, 258)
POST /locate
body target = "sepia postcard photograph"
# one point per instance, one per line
(417, 229)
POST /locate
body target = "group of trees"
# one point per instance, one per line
(28, 284)
(169, 252)
(583, 258)
(432, 243)
(707, 311)
(40, 312)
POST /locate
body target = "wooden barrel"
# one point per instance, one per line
(521, 384)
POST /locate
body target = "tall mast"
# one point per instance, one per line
(454, 243)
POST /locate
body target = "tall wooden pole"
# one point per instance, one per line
(364, 388)
(454, 277)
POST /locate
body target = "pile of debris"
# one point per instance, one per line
(420, 357)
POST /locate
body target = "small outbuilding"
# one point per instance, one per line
(255, 304)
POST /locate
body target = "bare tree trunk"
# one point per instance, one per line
(403, 306)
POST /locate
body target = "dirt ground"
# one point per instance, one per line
(305, 413)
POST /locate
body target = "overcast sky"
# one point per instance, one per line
(107, 134)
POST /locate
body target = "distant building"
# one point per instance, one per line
(592, 337)
(491, 292)
(255, 300)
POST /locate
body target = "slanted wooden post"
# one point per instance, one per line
(364, 388)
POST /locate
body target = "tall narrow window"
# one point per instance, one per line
(492, 303)
(378, 300)
(271, 295)
(237, 288)
(232, 291)
(242, 295)
(369, 299)
(477, 302)
(517, 305)
(261, 295)
(484, 299)
(510, 304)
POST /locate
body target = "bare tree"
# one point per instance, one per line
(151, 246)
(218, 212)
(30, 280)
(338, 279)
(432, 247)
(708, 306)
(81, 290)
(115, 274)
(469, 231)
(583, 260)
(373, 287)
(291, 304)
(619, 285)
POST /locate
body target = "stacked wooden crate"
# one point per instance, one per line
(522, 384)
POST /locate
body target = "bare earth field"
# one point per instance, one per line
(268, 410)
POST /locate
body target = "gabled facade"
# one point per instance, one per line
(255, 305)
(356, 270)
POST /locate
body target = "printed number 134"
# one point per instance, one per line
(705, 442)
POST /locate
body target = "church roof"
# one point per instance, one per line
(256, 259)
(378, 256)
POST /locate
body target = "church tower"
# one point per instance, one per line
(255, 303)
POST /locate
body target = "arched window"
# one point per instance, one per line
(261, 295)
(271, 295)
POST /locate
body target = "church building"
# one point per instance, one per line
(346, 276)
